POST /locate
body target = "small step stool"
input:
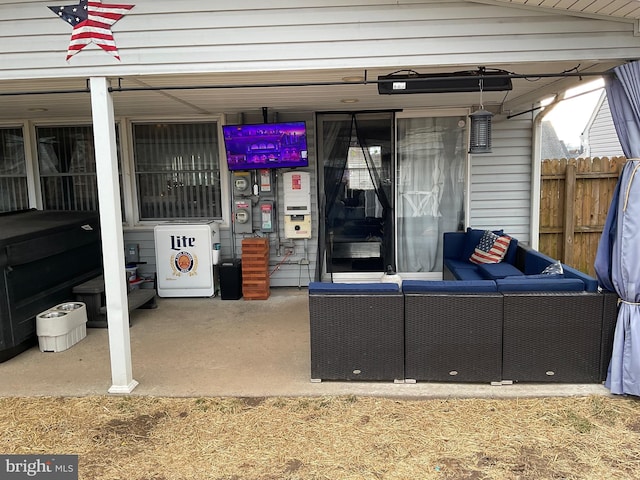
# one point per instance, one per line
(91, 293)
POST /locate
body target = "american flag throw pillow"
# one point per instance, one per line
(491, 248)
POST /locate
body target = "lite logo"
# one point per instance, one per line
(180, 242)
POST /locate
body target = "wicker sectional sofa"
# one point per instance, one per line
(533, 336)
(357, 331)
(503, 330)
(522, 266)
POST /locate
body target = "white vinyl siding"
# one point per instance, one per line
(501, 181)
(162, 36)
(290, 271)
(275, 42)
(602, 136)
(293, 270)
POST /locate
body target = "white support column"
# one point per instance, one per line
(104, 133)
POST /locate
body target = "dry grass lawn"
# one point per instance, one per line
(336, 438)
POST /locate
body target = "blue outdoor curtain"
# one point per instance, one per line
(623, 93)
(617, 261)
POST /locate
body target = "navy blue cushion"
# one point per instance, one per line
(450, 286)
(539, 285)
(535, 262)
(542, 276)
(452, 244)
(468, 274)
(462, 270)
(590, 283)
(491, 271)
(452, 264)
(326, 287)
(510, 256)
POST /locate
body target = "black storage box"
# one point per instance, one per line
(231, 280)
(43, 255)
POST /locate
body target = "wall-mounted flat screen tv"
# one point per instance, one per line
(266, 145)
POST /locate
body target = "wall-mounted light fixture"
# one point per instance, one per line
(480, 138)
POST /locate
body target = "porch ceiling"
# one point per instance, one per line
(610, 9)
(321, 90)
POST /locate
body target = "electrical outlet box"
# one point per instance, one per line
(132, 253)
(297, 226)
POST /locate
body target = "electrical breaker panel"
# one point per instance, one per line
(266, 216)
(266, 181)
(243, 221)
(297, 193)
(297, 226)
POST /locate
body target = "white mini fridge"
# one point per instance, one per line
(186, 253)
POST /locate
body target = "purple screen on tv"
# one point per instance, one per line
(266, 145)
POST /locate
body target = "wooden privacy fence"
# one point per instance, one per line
(574, 201)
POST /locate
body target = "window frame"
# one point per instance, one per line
(433, 113)
(28, 175)
(132, 201)
(36, 158)
(35, 185)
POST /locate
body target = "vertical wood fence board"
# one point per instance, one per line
(570, 210)
(593, 187)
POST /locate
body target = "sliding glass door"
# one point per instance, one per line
(431, 185)
(390, 186)
(357, 194)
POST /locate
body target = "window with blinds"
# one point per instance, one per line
(13, 171)
(67, 165)
(177, 170)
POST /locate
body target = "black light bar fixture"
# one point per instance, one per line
(465, 81)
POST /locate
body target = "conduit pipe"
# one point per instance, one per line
(120, 88)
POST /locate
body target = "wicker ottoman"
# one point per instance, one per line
(356, 335)
(453, 337)
(552, 337)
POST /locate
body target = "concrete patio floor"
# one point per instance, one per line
(192, 347)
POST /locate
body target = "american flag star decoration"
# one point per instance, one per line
(92, 21)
